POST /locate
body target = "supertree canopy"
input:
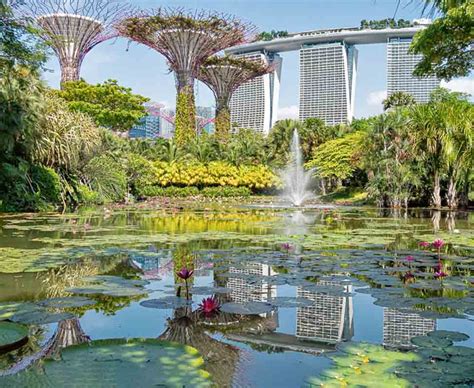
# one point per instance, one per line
(73, 28)
(223, 75)
(186, 40)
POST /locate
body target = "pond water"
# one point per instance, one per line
(333, 295)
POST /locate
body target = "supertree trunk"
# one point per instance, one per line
(70, 71)
(185, 121)
(222, 122)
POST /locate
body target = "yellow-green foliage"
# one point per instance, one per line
(223, 125)
(340, 157)
(202, 175)
(185, 122)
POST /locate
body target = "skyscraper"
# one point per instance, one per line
(327, 82)
(254, 105)
(400, 67)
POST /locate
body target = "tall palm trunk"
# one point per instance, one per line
(452, 195)
(436, 195)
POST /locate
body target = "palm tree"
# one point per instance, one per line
(432, 135)
(398, 99)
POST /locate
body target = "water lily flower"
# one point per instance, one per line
(408, 277)
(438, 244)
(185, 273)
(409, 258)
(209, 306)
(424, 244)
(286, 246)
(440, 274)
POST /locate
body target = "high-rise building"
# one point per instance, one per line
(400, 327)
(148, 127)
(327, 82)
(254, 105)
(400, 67)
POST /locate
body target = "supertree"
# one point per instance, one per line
(73, 28)
(223, 75)
(186, 40)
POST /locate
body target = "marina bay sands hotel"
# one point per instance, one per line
(328, 71)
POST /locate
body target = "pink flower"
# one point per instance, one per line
(209, 306)
(424, 244)
(440, 274)
(185, 273)
(438, 244)
(286, 246)
(409, 258)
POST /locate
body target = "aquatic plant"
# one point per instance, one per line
(185, 274)
(209, 306)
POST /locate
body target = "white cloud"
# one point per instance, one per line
(288, 112)
(465, 85)
(376, 98)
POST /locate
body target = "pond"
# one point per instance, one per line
(305, 297)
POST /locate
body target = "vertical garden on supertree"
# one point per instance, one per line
(73, 27)
(224, 75)
(186, 40)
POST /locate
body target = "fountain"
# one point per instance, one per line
(295, 178)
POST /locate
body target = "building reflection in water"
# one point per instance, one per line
(330, 320)
(244, 290)
(400, 327)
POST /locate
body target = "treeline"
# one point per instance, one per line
(384, 23)
(412, 155)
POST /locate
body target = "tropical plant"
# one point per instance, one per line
(446, 44)
(65, 140)
(398, 99)
(109, 104)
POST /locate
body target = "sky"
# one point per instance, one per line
(146, 72)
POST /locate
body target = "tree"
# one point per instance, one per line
(446, 45)
(391, 158)
(398, 99)
(19, 45)
(109, 104)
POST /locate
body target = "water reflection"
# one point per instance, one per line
(400, 327)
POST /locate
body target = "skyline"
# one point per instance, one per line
(146, 72)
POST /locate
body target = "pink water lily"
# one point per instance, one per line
(185, 273)
(424, 244)
(438, 244)
(440, 274)
(209, 306)
(409, 258)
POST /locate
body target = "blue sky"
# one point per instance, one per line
(145, 71)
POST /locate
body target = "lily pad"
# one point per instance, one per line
(40, 317)
(67, 302)
(167, 302)
(448, 335)
(203, 290)
(118, 363)
(431, 342)
(289, 302)
(247, 308)
(12, 336)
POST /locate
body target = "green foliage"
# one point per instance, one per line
(222, 124)
(19, 45)
(47, 182)
(65, 140)
(397, 100)
(21, 107)
(446, 44)
(339, 158)
(106, 177)
(267, 36)
(185, 121)
(109, 104)
(171, 191)
(384, 23)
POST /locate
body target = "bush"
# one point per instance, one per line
(202, 175)
(47, 183)
(172, 191)
(225, 192)
(106, 177)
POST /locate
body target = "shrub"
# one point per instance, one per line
(225, 192)
(47, 183)
(107, 177)
(171, 191)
